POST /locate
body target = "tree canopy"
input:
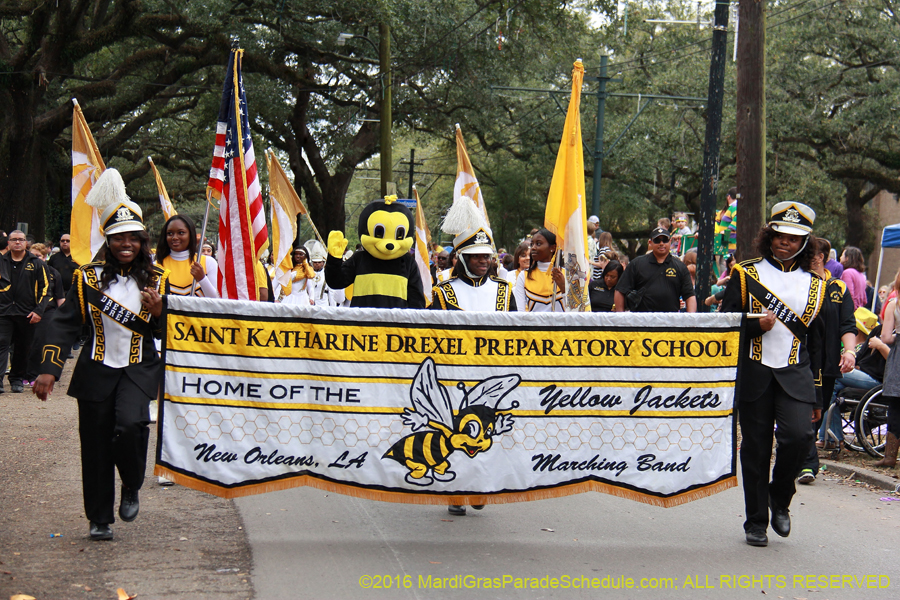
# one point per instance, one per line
(148, 76)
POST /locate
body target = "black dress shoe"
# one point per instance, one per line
(129, 505)
(757, 537)
(781, 519)
(478, 506)
(17, 388)
(456, 510)
(101, 531)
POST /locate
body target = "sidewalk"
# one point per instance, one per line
(184, 544)
(857, 473)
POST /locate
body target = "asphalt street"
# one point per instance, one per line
(308, 543)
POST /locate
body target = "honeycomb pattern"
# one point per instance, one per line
(541, 435)
(372, 432)
(358, 430)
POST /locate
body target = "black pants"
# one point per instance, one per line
(794, 434)
(812, 457)
(114, 435)
(18, 332)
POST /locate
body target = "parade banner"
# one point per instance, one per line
(435, 407)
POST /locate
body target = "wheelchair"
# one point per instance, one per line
(863, 421)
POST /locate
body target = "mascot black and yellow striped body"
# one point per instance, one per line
(383, 274)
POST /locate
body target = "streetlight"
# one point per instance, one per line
(384, 58)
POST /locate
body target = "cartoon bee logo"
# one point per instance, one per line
(470, 429)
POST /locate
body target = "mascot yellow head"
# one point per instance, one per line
(386, 229)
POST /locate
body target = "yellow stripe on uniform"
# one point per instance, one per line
(379, 284)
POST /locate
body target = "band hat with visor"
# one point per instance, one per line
(316, 250)
(118, 214)
(792, 218)
(121, 218)
(475, 241)
(471, 233)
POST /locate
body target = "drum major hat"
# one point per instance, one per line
(118, 214)
(472, 235)
(792, 218)
(316, 250)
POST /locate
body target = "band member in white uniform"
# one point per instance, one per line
(471, 287)
(321, 293)
(781, 367)
(299, 288)
(119, 370)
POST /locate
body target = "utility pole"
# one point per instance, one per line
(711, 149)
(598, 139)
(384, 55)
(751, 124)
(412, 170)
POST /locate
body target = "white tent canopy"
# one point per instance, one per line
(890, 238)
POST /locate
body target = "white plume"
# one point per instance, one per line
(462, 215)
(109, 189)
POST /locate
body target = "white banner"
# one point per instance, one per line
(447, 407)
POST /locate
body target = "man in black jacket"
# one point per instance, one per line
(24, 287)
(657, 281)
(62, 261)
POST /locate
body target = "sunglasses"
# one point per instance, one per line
(660, 239)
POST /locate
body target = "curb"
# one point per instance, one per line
(885, 482)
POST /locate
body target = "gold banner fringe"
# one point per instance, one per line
(434, 499)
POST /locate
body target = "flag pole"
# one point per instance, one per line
(205, 223)
(553, 297)
(315, 231)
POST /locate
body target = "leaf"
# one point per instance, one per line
(123, 595)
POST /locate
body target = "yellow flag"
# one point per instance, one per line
(423, 247)
(466, 183)
(286, 205)
(167, 207)
(87, 165)
(565, 214)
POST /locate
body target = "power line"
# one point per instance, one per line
(709, 39)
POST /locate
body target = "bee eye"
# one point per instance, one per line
(379, 231)
(472, 429)
(401, 233)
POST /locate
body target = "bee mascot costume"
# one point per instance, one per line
(383, 274)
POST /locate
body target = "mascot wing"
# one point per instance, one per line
(492, 390)
(429, 398)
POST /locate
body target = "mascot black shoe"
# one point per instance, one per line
(384, 273)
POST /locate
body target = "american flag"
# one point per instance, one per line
(233, 182)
